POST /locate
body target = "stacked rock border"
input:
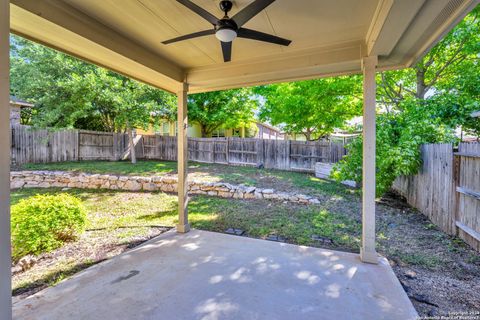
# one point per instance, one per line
(63, 179)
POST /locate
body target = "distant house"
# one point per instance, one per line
(466, 137)
(264, 131)
(16, 106)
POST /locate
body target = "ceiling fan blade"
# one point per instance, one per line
(250, 11)
(260, 36)
(190, 36)
(227, 51)
(200, 11)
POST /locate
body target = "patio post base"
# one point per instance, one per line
(183, 228)
(368, 256)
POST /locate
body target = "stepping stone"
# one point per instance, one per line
(322, 239)
(274, 237)
(237, 232)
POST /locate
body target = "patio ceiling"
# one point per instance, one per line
(328, 37)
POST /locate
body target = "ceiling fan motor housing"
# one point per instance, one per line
(226, 6)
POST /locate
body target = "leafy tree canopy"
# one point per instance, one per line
(221, 109)
(449, 74)
(68, 92)
(313, 108)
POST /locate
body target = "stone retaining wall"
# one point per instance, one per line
(61, 179)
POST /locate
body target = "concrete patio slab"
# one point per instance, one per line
(205, 275)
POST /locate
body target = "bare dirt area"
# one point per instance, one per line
(440, 273)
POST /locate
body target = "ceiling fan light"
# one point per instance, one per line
(226, 35)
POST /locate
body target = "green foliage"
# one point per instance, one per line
(42, 223)
(399, 137)
(450, 68)
(68, 92)
(313, 108)
(221, 109)
(251, 130)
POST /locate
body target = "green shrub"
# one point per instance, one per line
(44, 222)
(399, 137)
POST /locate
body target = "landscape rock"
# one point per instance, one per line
(47, 179)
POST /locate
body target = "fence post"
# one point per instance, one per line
(227, 150)
(77, 155)
(115, 146)
(287, 154)
(260, 153)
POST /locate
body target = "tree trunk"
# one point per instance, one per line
(204, 131)
(308, 135)
(131, 145)
(421, 86)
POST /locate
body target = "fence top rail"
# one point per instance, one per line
(206, 139)
(97, 132)
(467, 154)
(313, 143)
(31, 128)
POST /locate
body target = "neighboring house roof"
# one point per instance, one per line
(19, 102)
(266, 125)
(345, 135)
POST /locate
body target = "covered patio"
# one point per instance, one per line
(169, 275)
(206, 275)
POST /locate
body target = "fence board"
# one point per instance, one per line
(468, 215)
(446, 189)
(30, 145)
(432, 188)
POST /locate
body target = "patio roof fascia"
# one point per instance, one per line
(395, 24)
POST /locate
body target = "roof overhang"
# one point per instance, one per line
(399, 32)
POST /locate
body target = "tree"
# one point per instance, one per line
(443, 70)
(399, 137)
(227, 109)
(70, 93)
(313, 108)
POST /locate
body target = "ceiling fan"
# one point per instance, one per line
(227, 29)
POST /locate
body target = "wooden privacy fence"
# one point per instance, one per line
(43, 145)
(272, 154)
(34, 146)
(29, 145)
(447, 189)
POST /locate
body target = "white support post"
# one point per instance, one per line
(5, 241)
(367, 252)
(182, 160)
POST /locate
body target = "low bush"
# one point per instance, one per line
(399, 137)
(42, 223)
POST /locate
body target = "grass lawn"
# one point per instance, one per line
(141, 168)
(422, 256)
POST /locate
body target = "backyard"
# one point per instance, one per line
(439, 273)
